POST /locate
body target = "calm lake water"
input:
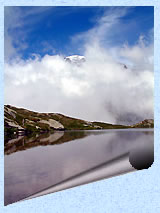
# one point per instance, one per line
(33, 163)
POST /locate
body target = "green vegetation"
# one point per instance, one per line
(18, 119)
(9, 131)
(110, 126)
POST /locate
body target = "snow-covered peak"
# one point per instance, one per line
(75, 59)
(78, 60)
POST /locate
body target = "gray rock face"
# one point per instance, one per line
(147, 123)
(19, 120)
(75, 59)
(79, 60)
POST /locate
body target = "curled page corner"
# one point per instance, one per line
(117, 166)
(142, 155)
(92, 156)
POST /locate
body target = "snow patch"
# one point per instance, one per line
(75, 59)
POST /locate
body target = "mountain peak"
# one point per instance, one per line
(75, 59)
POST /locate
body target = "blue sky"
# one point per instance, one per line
(52, 30)
(38, 38)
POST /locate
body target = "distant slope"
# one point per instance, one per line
(18, 120)
(147, 123)
(110, 126)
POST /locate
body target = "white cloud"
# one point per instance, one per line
(100, 89)
(140, 54)
(16, 18)
(12, 20)
(107, 26)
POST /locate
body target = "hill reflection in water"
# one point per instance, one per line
(33, 163)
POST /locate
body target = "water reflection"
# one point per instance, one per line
(29, 141)
(37, 162)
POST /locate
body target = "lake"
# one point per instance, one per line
(36, 162)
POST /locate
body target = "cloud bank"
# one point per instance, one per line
(101, 89)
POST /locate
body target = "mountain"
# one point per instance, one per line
(147, 123)
(123, 65)
(19, 120)
(75, 59)
(79, 60)
(22, 120)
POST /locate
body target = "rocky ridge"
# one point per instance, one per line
(147, 123)
(19, 120)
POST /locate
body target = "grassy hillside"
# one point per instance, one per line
(18, 120)
(147, 123)
(110, 126)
